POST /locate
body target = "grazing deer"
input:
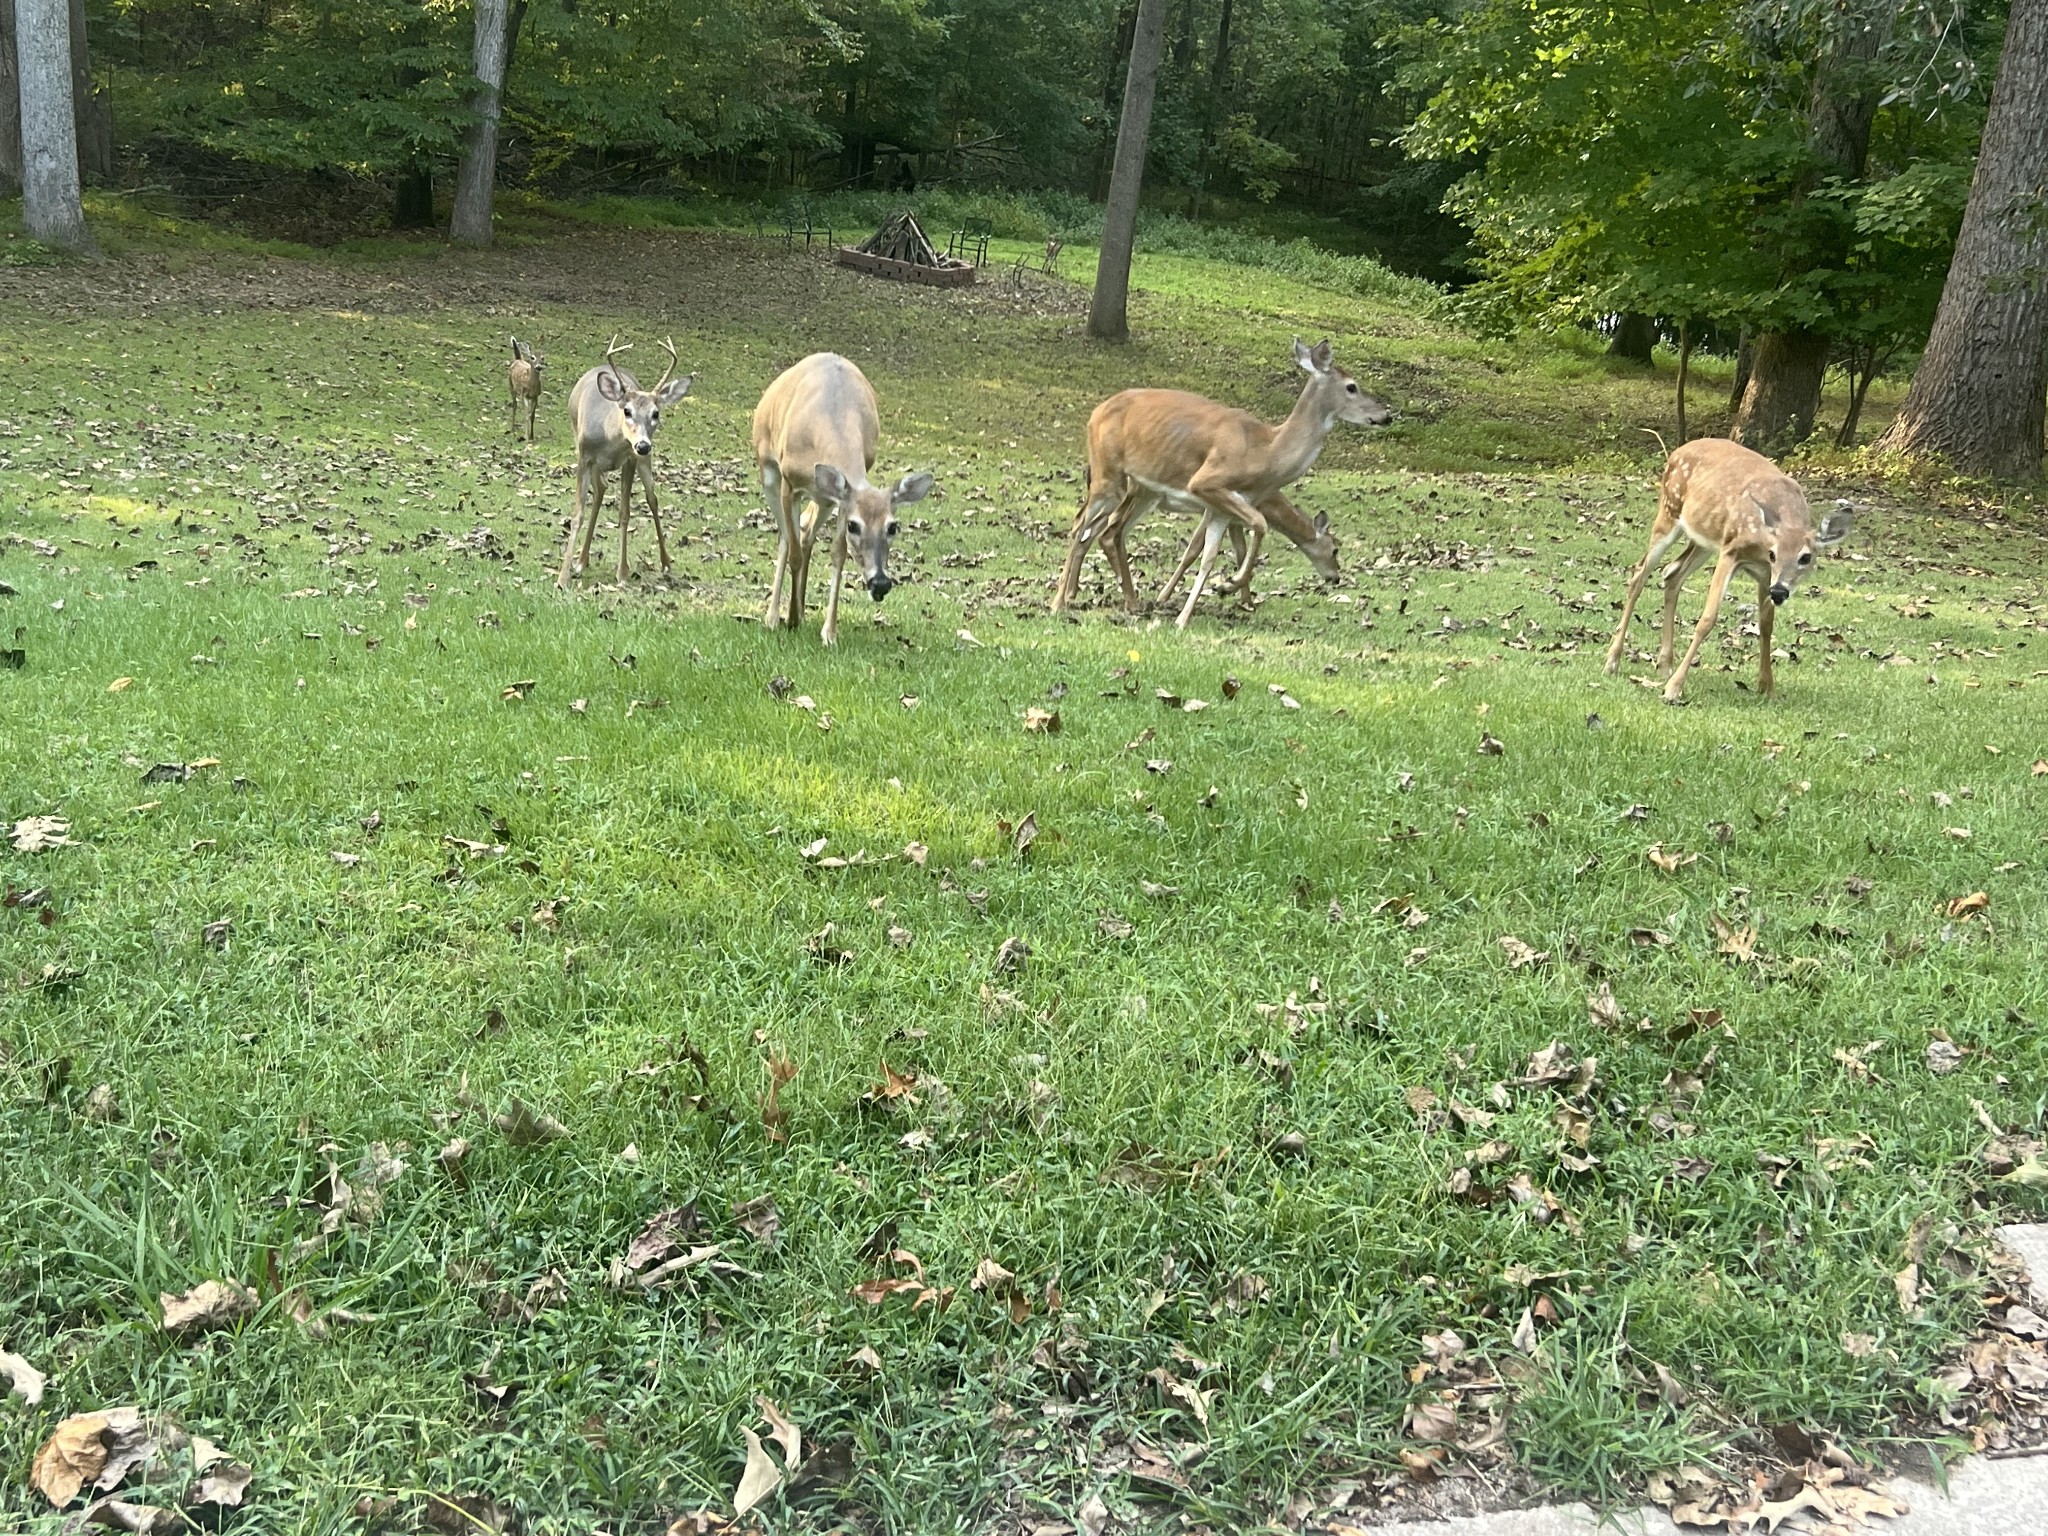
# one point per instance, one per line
(1163, 447)
(1720, 498)
(815, 432)
(615, 421)
(524, 378)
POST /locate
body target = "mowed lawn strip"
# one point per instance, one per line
(1184, 1122)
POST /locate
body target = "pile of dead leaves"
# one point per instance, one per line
(114, 1451)
(1825, 1493)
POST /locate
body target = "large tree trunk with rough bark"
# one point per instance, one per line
(1782, 395)
(1978, 396)
(1634, 338)
(471, 223)
(1108, 318)
(49, 136)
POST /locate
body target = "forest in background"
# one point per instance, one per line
(1778, 180)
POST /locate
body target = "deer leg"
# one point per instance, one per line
(1675, 689)
(1239, 581)
(625, 514)
(1087, 528)
(1212, 541)
(1681, 573)
(1662, 537)
(800, 566)
(654, 511)
(1766, 617)
(531, 407)
(830, 633)
(596, 498)
(785, 541)
(575, 522)
(1187, 558)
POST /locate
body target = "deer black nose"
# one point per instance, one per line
(643, 449)
(1780, 592)
(879, 587)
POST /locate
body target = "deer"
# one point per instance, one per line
(815, 434)
(1165, 447)
(523, 376)
(615, 422)
(1719, 498)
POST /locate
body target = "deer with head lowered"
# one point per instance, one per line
(815, 434)
(1719, 498)
(1163, 447)
(523, 377)
(615, 423)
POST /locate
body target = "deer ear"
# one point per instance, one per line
(1834, 528)
(910, 488)
(609, 386)
(1322, 523)
(828, 483)
(1319, 354)
(1770, 517)
(675, 389)
(1303, 358)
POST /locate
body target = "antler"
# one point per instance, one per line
(613, 351)
(670, 346)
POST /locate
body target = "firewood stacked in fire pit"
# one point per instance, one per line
(902, 238)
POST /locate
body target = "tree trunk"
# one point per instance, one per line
(1977, 397)
(49, 137)
(1635, 338)
(1108, 319)
(1119, 66)
(10, 105)
(1219, 84)
(474, 181)
(92, 115)
(1684, 368)
(1745, 360)
(1783, 397)
(1862, 370)
(413, 203)
(1784, 391)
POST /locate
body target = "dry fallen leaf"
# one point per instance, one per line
(1181, 1394)
(1044, 721)
(219, 1479)
(1490, 745)
(524, 1126)
(758, 1218)
(1432, 1422)
(34, 834)
(25, 1381)
(1943, 1057)
(761, 1478)
(73, 1456)
(1670, 862)
(1601, 1008)
(209, 1305)
(119, 1515)
(784, 1433)
(1522, 956)
(1970, 905)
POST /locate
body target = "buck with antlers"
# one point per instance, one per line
(1720, 498)
(523, 376)
(615, 423)
(1163, 447)
(815, 434)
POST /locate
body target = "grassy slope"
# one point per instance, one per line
(261, 426)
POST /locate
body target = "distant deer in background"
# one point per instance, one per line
(1720, 498)
(524, 379)
(615, 423)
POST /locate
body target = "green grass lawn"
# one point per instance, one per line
(469, 842)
